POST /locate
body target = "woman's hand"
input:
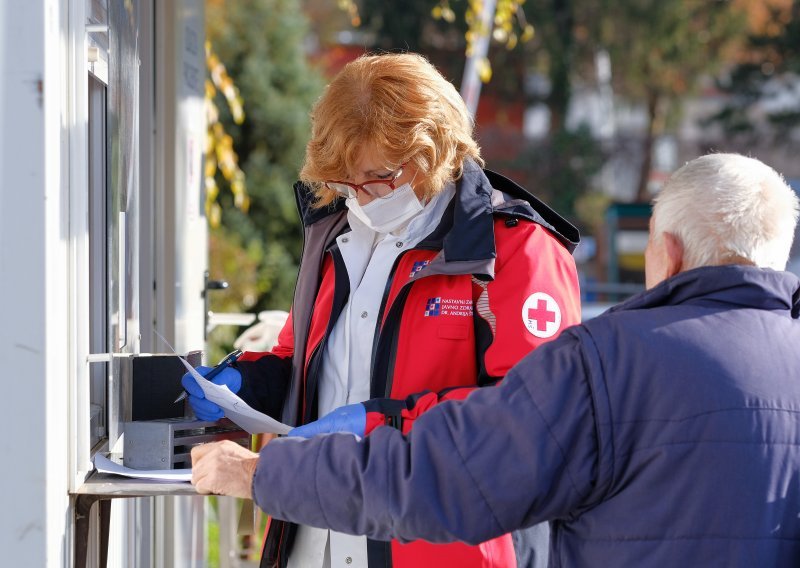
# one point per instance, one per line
(203, 408)
(351, 418)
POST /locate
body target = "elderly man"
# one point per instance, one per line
(665, 432)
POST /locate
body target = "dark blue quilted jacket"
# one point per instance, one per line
(663, 433)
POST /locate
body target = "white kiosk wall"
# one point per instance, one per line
(34, 252)
(102, 240)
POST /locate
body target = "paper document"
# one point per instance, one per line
(105, 465)
(239, 412)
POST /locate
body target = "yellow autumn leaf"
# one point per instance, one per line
(484, 69)
(527, 33)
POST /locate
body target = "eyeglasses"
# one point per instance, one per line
(374, 188)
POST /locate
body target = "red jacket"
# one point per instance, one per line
(495, 280)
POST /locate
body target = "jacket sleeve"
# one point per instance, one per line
(506, 458)
(532, 298)
(265, 376)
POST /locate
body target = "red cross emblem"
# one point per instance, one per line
(541, 315)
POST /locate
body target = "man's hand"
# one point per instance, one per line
(223, 468)
(351, 418)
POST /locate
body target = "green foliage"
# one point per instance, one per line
(771, 58)
(261, 45)
(398, 25)
(212, 526)
(446, 30)
(557, 50)
(659, 50)
(663, 46)
(558, 169)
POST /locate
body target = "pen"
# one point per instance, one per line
(225, 363)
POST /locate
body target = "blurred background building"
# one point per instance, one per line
(591, 113)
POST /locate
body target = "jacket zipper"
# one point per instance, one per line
(380, 330)
(315, 361)
(377, 335)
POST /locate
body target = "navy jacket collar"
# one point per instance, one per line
(466, 232)
(734, 285)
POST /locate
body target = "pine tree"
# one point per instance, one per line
(261, 43)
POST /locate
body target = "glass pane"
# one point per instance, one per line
(98, 267)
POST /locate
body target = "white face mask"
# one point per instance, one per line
(387, 214)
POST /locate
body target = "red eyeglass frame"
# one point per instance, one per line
(356, 187)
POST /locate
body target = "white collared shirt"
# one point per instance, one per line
(346, 365)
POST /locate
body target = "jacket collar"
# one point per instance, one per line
(733, 285)
(466, 232)
(467, 229)
(482, 194)
(309, 214)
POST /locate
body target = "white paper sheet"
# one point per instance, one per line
(105, 465)
(237, 410)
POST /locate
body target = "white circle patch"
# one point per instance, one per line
(541, 315)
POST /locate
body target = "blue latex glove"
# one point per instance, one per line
(203, 408)
(351, 418)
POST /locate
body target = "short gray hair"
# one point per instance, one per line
(728, 207)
